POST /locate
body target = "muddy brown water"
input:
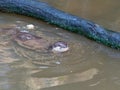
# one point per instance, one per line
(86, 66)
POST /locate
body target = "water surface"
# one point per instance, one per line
(86, 66)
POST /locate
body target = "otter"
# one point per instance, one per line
(28, 40)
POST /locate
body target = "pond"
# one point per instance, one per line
(86, 66)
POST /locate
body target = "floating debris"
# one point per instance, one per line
(30, 26)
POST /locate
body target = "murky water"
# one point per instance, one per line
(86, 66)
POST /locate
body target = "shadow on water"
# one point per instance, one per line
(87, 65)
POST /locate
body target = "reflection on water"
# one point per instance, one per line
(87, 65)
(61, 80)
